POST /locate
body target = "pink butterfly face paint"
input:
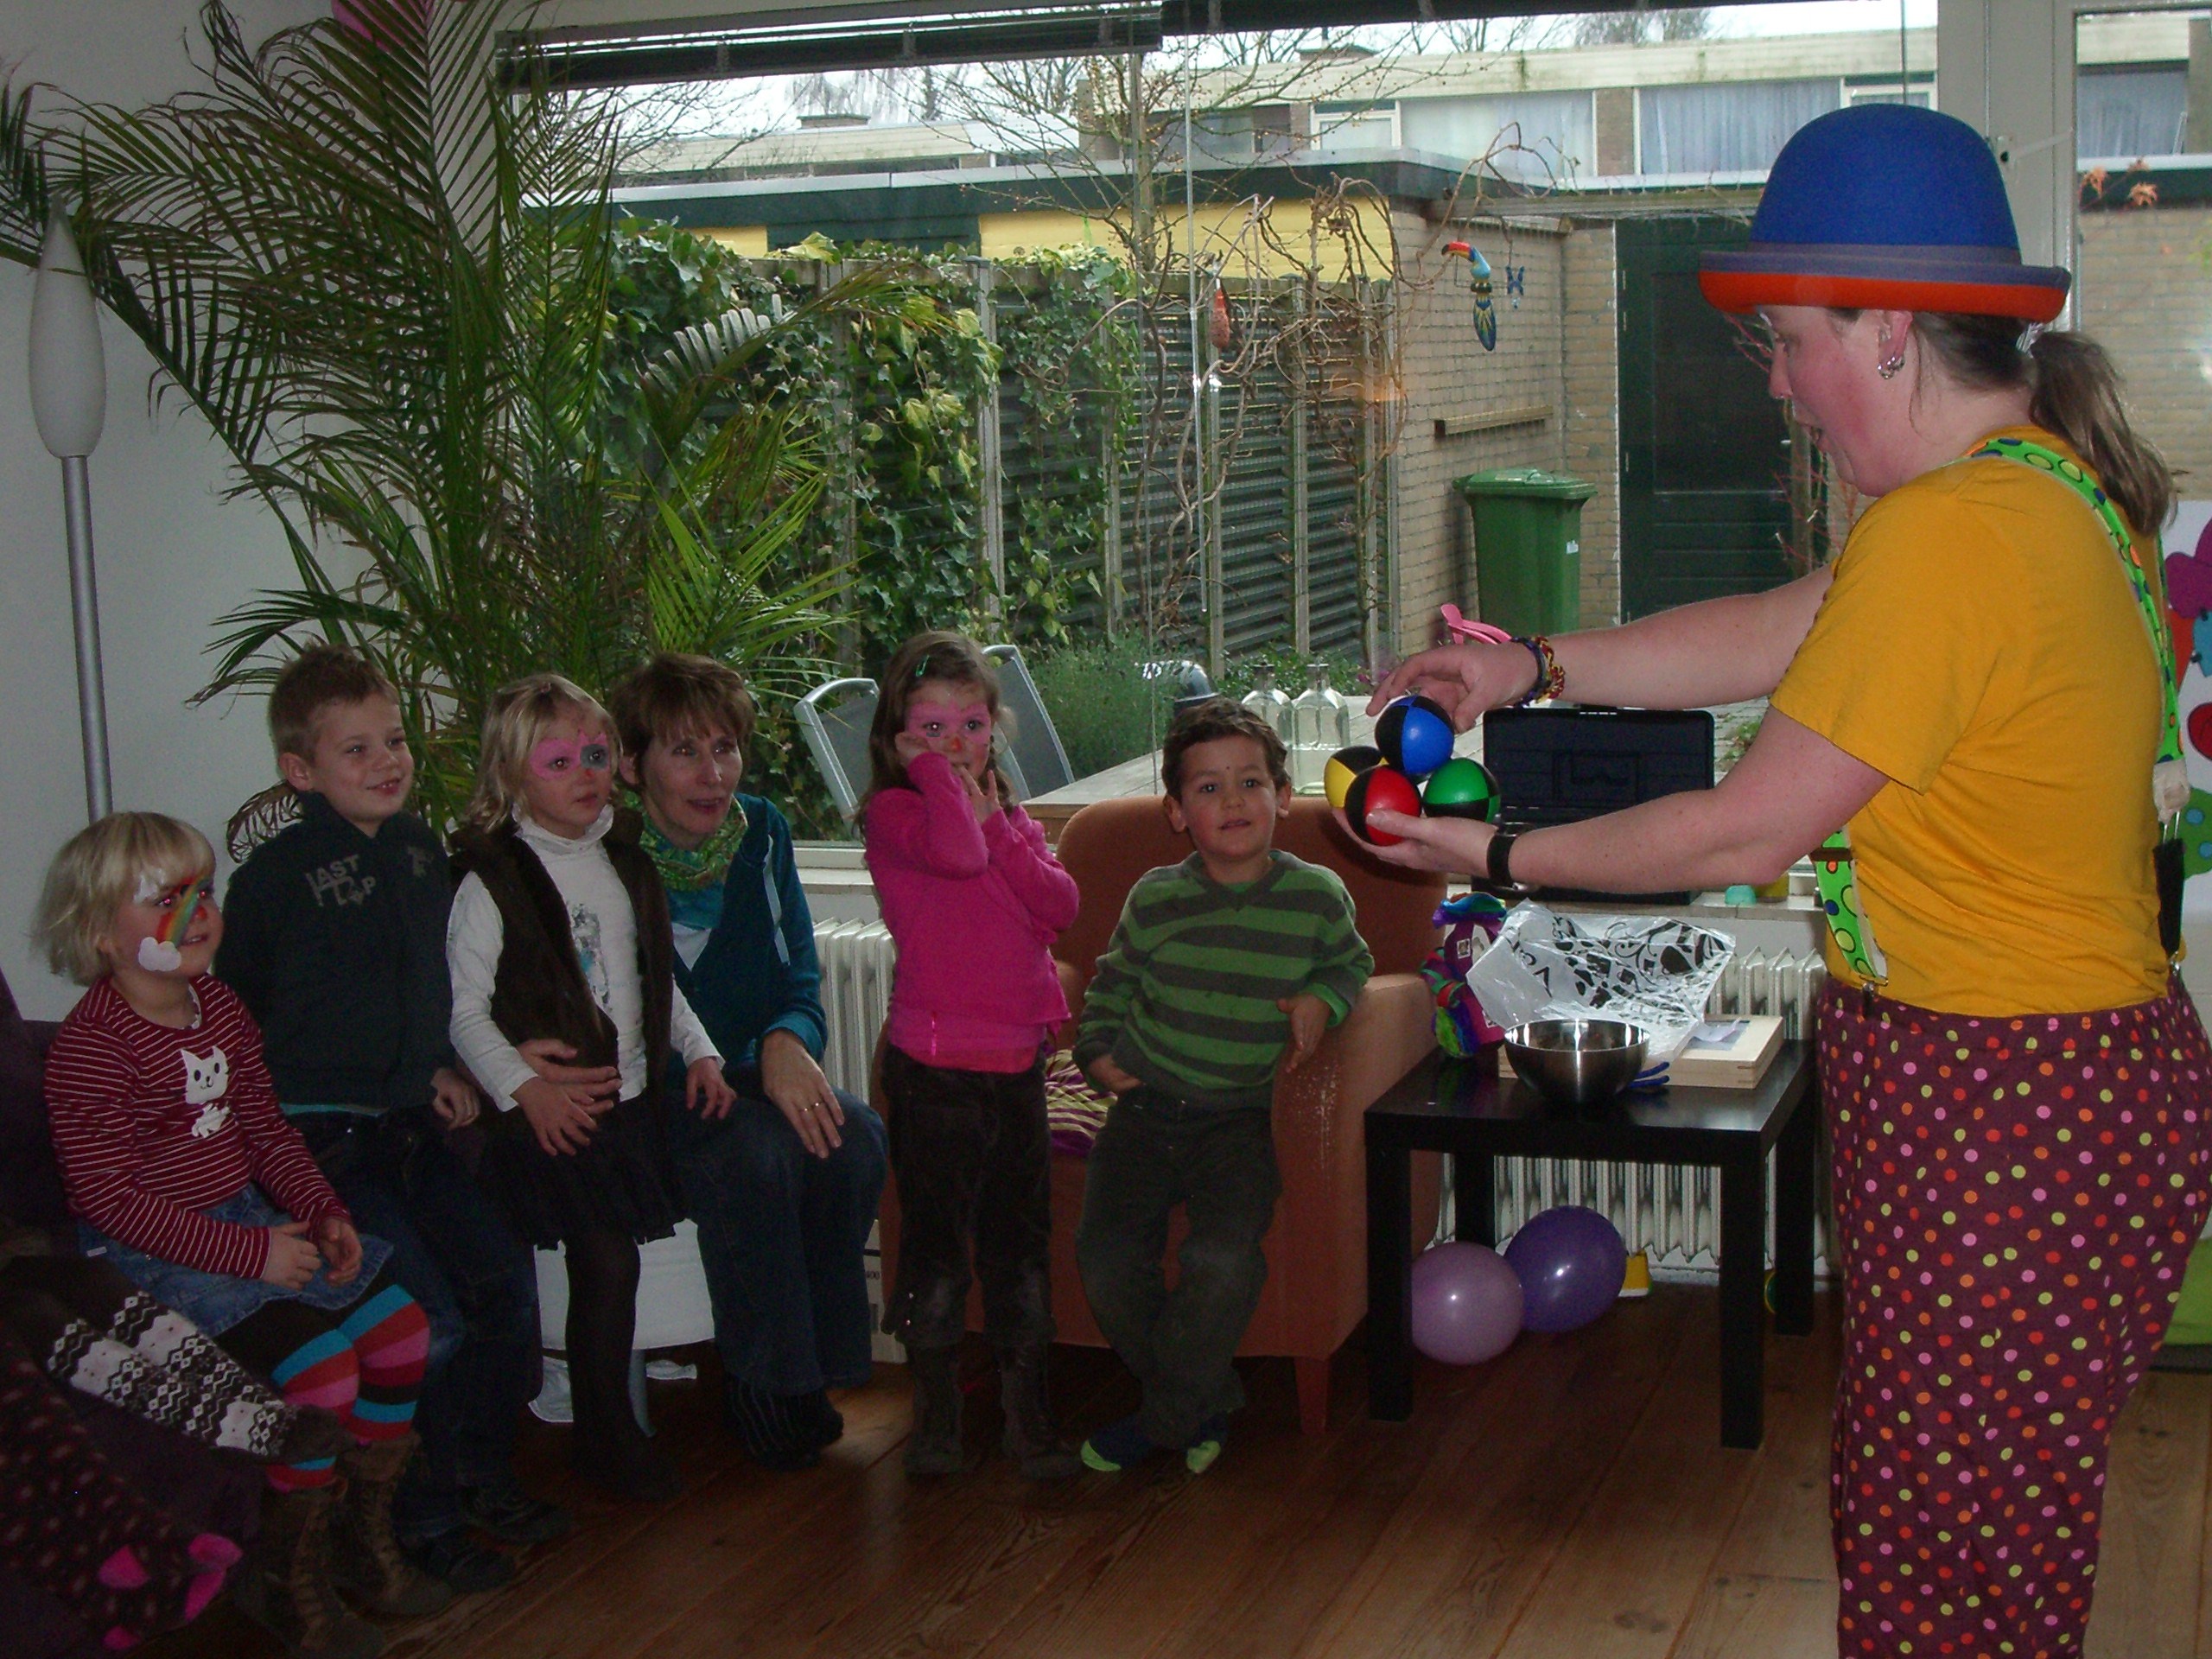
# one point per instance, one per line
(945, 726)
(559, 757)
(162, 950)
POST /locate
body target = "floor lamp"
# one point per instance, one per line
(69, 401)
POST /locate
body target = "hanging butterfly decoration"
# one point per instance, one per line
(1222, 334)
(1478, 280)
(1517, 279)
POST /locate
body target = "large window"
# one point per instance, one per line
(1529, 135)
(1727, 127)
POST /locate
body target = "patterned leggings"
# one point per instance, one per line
(2016, 1200)
(366, 1364)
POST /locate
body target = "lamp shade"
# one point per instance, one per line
(68, 368)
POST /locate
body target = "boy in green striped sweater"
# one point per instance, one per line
(1223, 969)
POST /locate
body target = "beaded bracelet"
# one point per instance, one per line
(1551, 678)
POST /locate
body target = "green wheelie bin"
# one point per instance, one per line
(1527, 547)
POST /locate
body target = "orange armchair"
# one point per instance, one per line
(1316, 1292)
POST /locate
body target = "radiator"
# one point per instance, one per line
(1673, 1215)
(856, 959)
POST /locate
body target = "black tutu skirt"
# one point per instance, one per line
(623, 1181)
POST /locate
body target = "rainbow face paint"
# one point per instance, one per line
(160, 950)
(556, 757)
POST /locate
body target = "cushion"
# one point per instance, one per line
(1076, 1111)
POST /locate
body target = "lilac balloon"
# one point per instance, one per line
(1466, 1304)
(1571, 1262)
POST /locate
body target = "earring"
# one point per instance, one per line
(1889, 366)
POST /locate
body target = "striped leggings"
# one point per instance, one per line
(365, 1363)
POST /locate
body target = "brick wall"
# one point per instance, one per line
(2146, 293)
(1450, 379)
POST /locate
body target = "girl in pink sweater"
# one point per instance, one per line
(974, 898)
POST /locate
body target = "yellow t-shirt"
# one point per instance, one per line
(1980, 645)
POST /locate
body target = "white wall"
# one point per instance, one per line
(173, 554)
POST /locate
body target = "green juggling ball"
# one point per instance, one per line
(1461, 788)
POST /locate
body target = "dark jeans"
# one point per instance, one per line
(972, 1152)
(476, 1281)
(1153, 1154)
(783, 1236)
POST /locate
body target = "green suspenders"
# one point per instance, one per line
(1832, 866)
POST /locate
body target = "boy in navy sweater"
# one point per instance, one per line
(336, 942)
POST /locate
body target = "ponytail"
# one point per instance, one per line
(2077, 396)
(2074, 392)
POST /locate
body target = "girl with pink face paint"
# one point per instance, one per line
(974, 899)
(560, 944)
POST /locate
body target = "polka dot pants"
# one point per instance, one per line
(2017, 1199)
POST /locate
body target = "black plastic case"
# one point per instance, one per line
(1567, 762)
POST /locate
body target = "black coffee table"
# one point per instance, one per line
(1462, 1106)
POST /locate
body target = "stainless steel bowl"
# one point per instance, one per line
(1576, 1062)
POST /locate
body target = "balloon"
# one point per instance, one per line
(1461, 788)
(1466, 1304)
(1571, 1262)
(1345, 766)
(1384, 787)
(1414, 734)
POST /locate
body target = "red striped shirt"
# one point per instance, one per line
(153, 1125)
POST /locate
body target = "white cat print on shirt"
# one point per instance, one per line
(206, 1079)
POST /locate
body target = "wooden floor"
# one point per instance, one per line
(1571, 1499)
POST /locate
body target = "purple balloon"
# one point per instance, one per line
(1466, 1304)
(1571, 1262)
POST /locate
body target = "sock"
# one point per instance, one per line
(322, 1371)
(1118, 1445)
(1206, 1445)
(390, 1335)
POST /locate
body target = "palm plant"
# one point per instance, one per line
(375, 256)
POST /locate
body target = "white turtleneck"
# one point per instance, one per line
(604, 930)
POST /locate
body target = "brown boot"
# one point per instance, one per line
(285, 1585)
(1031, 1439)
(933, 1447)
(366, 1558)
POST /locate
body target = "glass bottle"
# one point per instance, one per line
(1320, 724)
(1265, 700)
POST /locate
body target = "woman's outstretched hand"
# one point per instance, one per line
(1466, 679)
(1455, 846)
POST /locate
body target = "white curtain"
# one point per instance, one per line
(1554, 132)
(2120, 114)
(1729, 126)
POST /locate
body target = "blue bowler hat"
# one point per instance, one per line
(1886, 207)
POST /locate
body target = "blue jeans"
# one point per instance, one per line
(477, 1282)
(783, 1236)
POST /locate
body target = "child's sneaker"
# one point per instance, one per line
(511, 1514)
(1117, 1446)
(1213, 1434)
